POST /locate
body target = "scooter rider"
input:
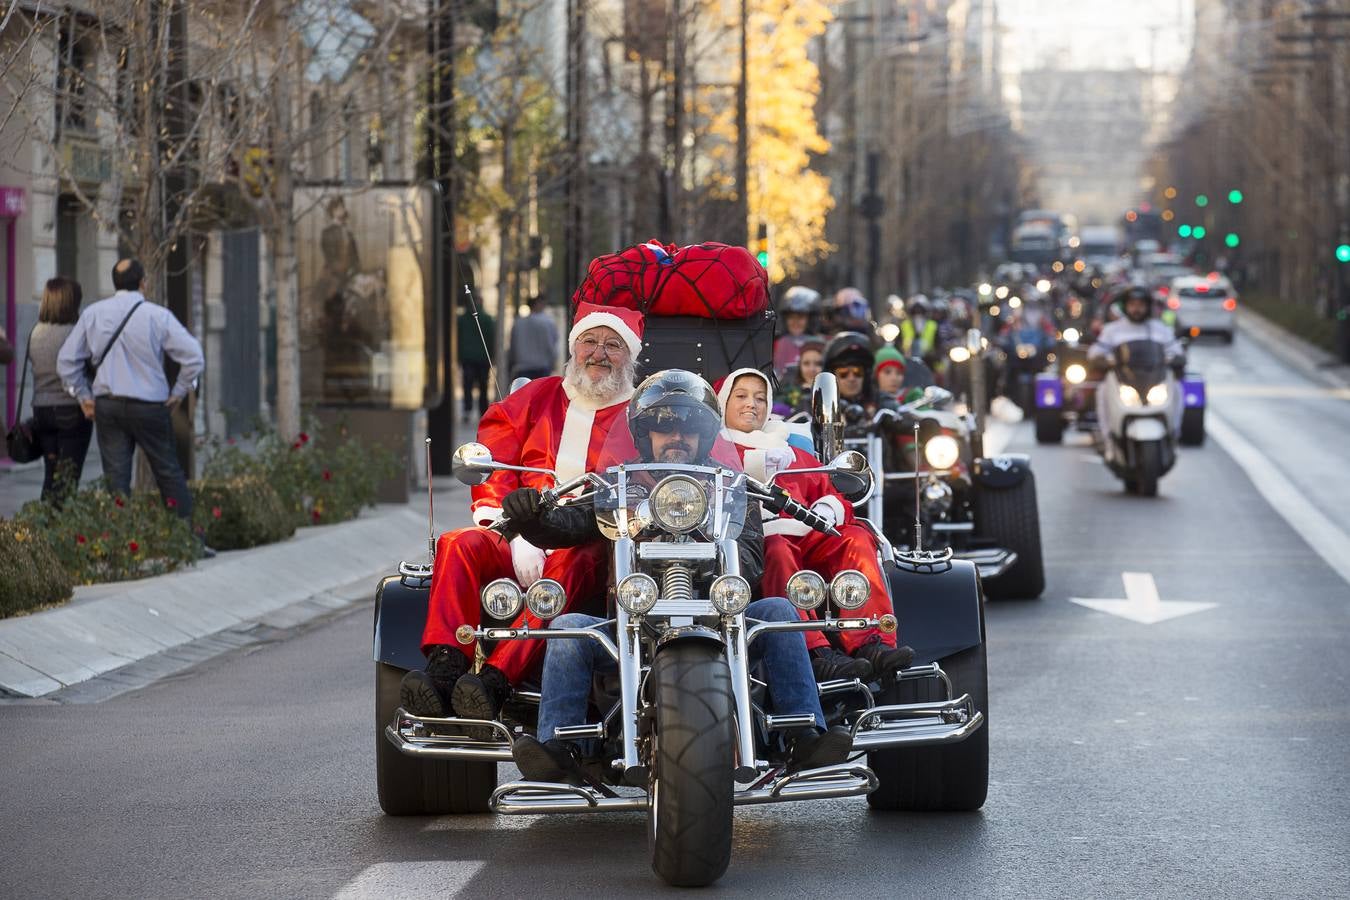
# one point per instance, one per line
(673, 417)
(790, 545)
(552, 423)
(1138, 325)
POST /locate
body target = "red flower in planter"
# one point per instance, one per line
(170, 503)
(327, 475)
(215, 512)
(295, 446)
(133, 546)
(119, 501)
(314, 514)
(80, 539)
(304, 438)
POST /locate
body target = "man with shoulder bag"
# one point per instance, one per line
(113, 364)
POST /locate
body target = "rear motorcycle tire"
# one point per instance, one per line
(422, 787)
(694, 754)
(1193, 426)
(1009, 517)
(1049, 426)
(947, 778)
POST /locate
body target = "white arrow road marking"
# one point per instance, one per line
(1142, 603)
(413, 880)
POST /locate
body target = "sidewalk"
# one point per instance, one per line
(108, 626)
(1311, 360)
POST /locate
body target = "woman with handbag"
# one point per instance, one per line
(60, 429)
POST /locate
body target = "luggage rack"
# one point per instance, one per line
(932, 560)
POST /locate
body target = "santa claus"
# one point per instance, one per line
(562, 424)
(790, 545)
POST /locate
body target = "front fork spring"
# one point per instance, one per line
(677, 583)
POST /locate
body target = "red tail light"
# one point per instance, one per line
(1202, 289)
(1230, 304)
(1164, 291)
(1173, 303)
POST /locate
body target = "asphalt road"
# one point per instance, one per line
(1205, 755)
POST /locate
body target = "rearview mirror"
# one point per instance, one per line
(471, 463)
(851, 477)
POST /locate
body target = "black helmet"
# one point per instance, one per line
(846, 348)
(1135, 292)
(674, 395)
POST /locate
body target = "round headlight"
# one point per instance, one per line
(1157, 395)
(730, 594)
(501, 599)
(637, 594)
(1071, 335)
(942, 451)
(1075, 374)
(806, 590)
(1128, 395)
(545, 598)
(959, 354)
(889, 332)
(850, 589)
(679, 504)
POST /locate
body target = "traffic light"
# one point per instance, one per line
(1198, 232)
(1231, 239)
(1235, 196)
(1201, 200)
(762, 245)
(1343, 253)
(1183, 231)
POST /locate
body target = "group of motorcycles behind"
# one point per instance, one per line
(681, 720)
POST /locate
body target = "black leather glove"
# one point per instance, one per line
(522, 505)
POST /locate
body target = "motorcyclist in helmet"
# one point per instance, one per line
(849, 357)
(797, 310)
(852, 312)
(1138, 324)
(673, 417)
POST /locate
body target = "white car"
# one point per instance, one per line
(1203, 306)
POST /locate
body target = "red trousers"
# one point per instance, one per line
(828, 556)
(470, 558)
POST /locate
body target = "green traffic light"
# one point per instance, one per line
(1183, 231)
(1343, 253)
(1231, 239)
(1201, 200)
(763, 257)
(1198, 232)
(1235, 196)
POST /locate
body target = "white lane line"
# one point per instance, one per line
(413, 880)
(1318, 531)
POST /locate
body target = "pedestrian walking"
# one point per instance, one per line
(113, 364)
(475, 365)
(534, 343)
(60, 428)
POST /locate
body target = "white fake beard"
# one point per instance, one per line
(605, 391)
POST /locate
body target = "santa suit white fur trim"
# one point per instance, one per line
(575, 442)
(773, 436)
(786, 527)
(610, 321)
(486, 515)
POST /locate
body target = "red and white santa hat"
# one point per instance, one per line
(724, 385)
(627, 323)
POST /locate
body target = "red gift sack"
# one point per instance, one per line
(709, 280)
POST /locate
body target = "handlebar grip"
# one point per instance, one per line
(809, 517)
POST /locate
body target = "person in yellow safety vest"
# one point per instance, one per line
(918, 330)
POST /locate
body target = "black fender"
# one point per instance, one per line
(940, 607)
(401, 604)
(1003, 471)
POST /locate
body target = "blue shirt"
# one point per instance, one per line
(134, 367)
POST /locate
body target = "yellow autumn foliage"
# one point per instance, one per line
(784, 83)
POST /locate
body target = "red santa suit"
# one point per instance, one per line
(790, 545)
(546, 424)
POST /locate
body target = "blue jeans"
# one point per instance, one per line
(125, 424)
(569, 665)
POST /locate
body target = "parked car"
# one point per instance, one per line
(1203, 306)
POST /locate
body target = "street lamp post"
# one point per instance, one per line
(742, 133)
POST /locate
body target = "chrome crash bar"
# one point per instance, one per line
(424, 737)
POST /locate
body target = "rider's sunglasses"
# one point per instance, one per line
(672, 421)
(849, 372)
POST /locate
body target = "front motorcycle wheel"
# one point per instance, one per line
(694, 754)
(1150, 468)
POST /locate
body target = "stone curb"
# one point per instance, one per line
(1306, 357)
(108, 626)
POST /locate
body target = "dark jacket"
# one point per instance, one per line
(571, 526)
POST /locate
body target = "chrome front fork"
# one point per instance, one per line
(738, 660)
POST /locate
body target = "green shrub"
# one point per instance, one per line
(238, 512)
(99, 536)
(30, 573)
(319, 479)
